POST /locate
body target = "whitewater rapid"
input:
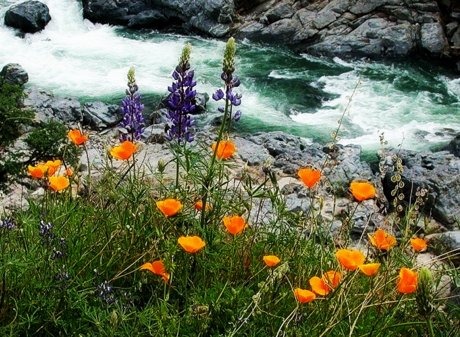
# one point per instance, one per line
(303, 95)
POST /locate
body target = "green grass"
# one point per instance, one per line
(223, 290)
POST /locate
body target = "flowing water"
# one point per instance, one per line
(413, 104)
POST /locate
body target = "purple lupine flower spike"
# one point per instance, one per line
(131, 107)
(181, 101)
(231, 82)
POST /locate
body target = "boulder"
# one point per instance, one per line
(113, 11)
(438, 173)
(99, 115)
(13, 73)
(433, 38)
(250, 152)
(281, 11)
(454, 146)
(29, 16)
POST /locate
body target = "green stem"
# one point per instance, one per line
(207, 181)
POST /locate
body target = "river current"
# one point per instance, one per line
(414, 104)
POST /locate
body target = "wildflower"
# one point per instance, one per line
(169, 207)
(332, 278)
(271, 260)
(181, 101)
(191, 244)
(8, 224)
(418, 244)
(323, 286)
(309, 176)
(77, 137)
(105, 292)
(382, 240)
(407, 282)
(234, 224)
(424, 296)
(231, 81)
(362, 190)
(45, 230)
(369, 269)
(158, 268)
(303, 295)
(225, 150)
(58, 183)
(199, 206)
(124, 151)
(38, 171)
(350, 259)
(53, 166)
(131, 107)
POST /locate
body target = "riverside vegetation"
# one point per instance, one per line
(131, 253)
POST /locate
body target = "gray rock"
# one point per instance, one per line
(454, 146)
(367, 6)
(147, 19)
(201, 99)
(289, 152)
(325, 18)
(433, 38)
(108, 11)
(250, 152)
(438, 173)
(296, 204)
(154, 134)
(447, 244)
(14, 73)
(29, 16)
(455, 39)
(67, 110)
(281, 11)
(451, 27)
(99, 115)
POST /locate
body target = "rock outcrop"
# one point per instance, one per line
(370, 28)
(29, 16)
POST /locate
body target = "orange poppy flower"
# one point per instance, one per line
(350, 259)
(225, 150)
(319, 286)
(38, 171)
(382, 240)
(169, 207)
(234, 224)
(323, 286)
(271, 260)
(407, 282)
(362, 190)
(77, 137)
(191, 244)
(309, 176)
(53, 166)
(124, 151)
(158, 268)
(199, 205)
(332, 278)
(369, 269)
(419, 245)
(303, 295)
(58, 183)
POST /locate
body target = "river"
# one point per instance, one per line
(415, 104)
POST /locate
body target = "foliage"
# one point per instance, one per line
(49, 141)
(144, 255)
(12, 117)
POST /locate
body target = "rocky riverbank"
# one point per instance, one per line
(345, 28)
(438, 173)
